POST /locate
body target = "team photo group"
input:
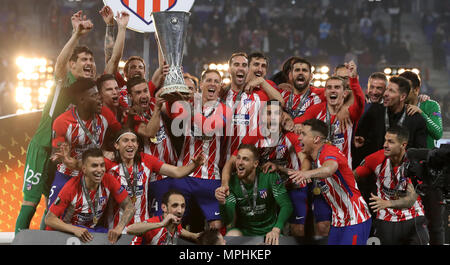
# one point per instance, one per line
(264, 156)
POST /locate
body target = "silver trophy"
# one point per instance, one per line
(171, 29)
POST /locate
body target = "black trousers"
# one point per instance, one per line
(410, 232)
(434, 212)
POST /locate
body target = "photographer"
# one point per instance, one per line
(400, 216)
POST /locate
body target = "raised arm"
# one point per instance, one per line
(271, 92)
(108, 16)
(81, 26)
(122, 19)
(152, 127)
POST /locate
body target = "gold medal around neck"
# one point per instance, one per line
(316, 191)
(133, 199)
(95, 220)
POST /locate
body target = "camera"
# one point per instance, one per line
(429, 168)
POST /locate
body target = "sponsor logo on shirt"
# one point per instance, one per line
(437, 114)
(120, 190)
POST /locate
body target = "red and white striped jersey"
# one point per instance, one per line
(124, 100)
(340, 139)
(315, 97)
(246, 112)
(282, 149)
(72, 206)
(160, 146)
(145, 170)
(211, 146)
(341, 191)
(67, 129)
(159, 236)
(390, 184)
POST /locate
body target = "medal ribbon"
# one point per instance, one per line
(92, 206)
(128, 178)
(86, 131)
(314, 166)
(255, 194)
(400, 171)
(386, 118)
(303, 100)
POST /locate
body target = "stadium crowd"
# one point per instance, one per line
(114, 154)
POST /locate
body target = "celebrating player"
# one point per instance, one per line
(399, 210)
(351, 221)
(81, 204)
(81, 127)
(253, 198)
(166, 228)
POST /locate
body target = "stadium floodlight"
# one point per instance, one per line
(222, 68)
(320, 76)
(324, 69)
(390, 71)
(34, 80)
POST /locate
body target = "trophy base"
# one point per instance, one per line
(175, 92)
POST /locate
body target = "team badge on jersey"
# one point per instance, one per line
(120, 190)
(263, 193)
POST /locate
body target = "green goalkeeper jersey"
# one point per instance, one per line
(272, 208)
(431, 112)
(57, 103)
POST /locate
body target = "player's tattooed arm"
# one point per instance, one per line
(128, 212)
(407, 201)
(108, 16)
(112, 64)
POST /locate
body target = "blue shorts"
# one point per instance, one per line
(202, 190)
(321, 209)
(57, 185)
(350, 235)
(299, 201)
(156, 191)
